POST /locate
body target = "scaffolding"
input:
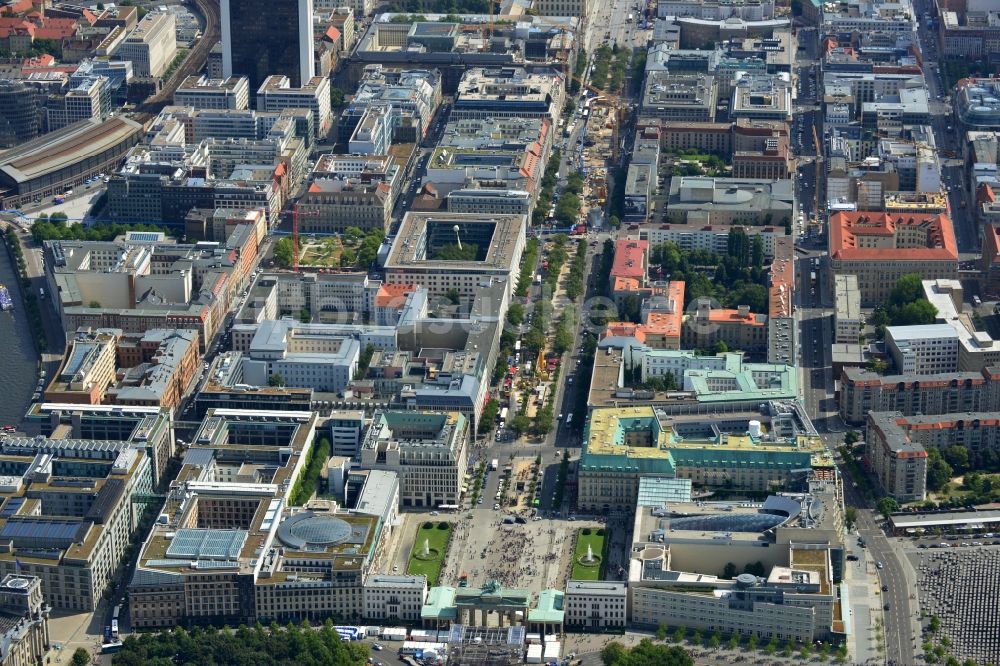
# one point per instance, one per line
(486, 646)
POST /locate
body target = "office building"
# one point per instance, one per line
(151, 46)
(277, 93)
(20, 113)
(316, 356)
(847, 318)
(262, 38)
(746, 201)
(759, 96)
(229, 512)
(460, 251)
(414, 93)
(486, 201)
(923, 350)
(350, 191)
(880, 248)
(596, 605)
(427, 450)
(737, 327)
(88, 369)
(509, 92)
(202, 92)
(394, 599)
(24, 638)
(70, 513)
(677, 571)
(679, 97)
(624, 445)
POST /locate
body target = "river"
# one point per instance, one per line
(18, 358)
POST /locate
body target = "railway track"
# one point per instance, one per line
(194, 62)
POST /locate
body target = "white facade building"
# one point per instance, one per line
(596, 605)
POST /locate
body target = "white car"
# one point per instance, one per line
(496, 507)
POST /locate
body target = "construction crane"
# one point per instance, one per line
(295, 214)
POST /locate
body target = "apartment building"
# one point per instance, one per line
(899, 463)
(427, 450)
(577, 8)
(152, 46)
(863, 391)
(711, 237)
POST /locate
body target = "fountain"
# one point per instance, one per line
(589, 557)
(427, 548)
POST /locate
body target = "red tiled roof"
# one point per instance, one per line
(847, 228)
(393, 295)
(630, 259)
(625, 329)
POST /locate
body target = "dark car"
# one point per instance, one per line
(886, 607)
(885, 588)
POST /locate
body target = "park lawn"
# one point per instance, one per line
(437, 539)
(596, 542)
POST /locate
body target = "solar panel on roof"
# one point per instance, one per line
(196, 544)
(11, 507)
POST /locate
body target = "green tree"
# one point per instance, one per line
(276, 380)
(850, 516)
(614, 222)
(646, 652)
(520, 424)
(841, 654)
(305, 316)
(364, 361)
(679, 634)
(661, 632)
(283, 252)
(720, 347)
(939, 472)
(788, 649)
(934, 624)
(958, 457)
(353, 234)
(887, 506)
(336, 97)
(80, 657)
(729, 571)
(734, 641)
(752, 643)
(94, 304)
(515, 314)
(697, 637)
(489, 417)
(851, 437)
(772, 646)
(454, 296)
(715, 640)
(908, 288)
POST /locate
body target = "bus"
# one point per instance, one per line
(503, 414)
(629, 19)
(114, 622)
